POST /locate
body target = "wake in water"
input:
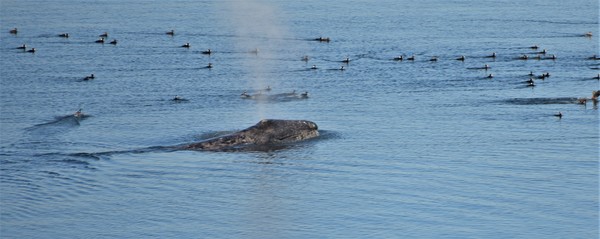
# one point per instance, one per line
(542, 101)
(555, 100)
(65, 120)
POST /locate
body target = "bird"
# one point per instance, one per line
(322, 39)
(559, 115)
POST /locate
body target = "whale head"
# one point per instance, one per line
(274, 131)
(267, 132)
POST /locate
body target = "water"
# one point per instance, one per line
(409, 149)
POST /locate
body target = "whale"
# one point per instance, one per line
(265, 133)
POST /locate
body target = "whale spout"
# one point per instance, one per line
(266, 132)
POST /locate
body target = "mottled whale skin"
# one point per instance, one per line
(265, 132)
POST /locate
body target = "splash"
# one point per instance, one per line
(260, 33)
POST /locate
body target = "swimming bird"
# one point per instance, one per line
(207, 52)
(13, 31)
(534, 47)
(597, 77)
(490, 76)
(493, 55)
(305, 58)
(172, 32)
(411, 58)
(544, 75)
(595, 95)
(304, 95)
(461, 58)
(32, 50)
(552, 57)
(594, 98)
(65, 35)
(523, 57)
(209, 66)
(486, 67)
(531, 73)
(105, 35)
(594, 57)
(78, 113)
(101, 40)
(177, 98)
(186, 45)
(342, 68)
(399, 58)
(587, 34)
(433, 58)
(245, 95)
(22, 47)
(322, 39)
(90, 77)
(255, 51)
(347, 60)
(114, 42)
(313, 67)
(559, 115)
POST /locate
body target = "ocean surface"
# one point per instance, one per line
(408, 149)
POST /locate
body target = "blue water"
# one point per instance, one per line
(408, 149)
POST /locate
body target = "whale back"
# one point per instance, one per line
(265, 132)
